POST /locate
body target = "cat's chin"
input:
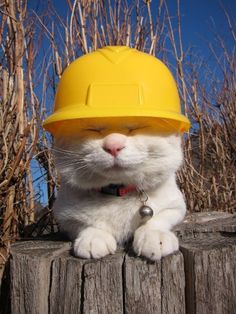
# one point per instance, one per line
(119, 168)
(117, 177)
(98, 180)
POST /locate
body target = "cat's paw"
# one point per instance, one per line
(154, 244)
(94, 243)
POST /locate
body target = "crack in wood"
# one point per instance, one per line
(201, 278)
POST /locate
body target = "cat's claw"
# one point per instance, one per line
(154, 244)
(94, 243)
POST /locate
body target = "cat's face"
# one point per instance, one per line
(125, 154)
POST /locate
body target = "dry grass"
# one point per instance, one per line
(208, 176)
(20, 119)
(18, 128)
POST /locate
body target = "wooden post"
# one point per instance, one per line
(201, 278)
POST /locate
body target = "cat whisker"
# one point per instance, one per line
(84, 172)
(67, 163)
(65, 151)
(69, 160)
(77, 166)
(84, 167)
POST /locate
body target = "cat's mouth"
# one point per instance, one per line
(115, 167)
(119, 167)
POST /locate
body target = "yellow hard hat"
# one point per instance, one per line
(117, 82)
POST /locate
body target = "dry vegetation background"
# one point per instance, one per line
(34, 50)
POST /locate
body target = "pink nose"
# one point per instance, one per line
(114, 143)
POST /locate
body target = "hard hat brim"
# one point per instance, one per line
(176, 122)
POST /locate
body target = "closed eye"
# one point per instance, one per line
(136, 128)
(97, 130)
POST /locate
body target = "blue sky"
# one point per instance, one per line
(197, 17)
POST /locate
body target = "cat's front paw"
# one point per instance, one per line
(154, 244)
(94, 243)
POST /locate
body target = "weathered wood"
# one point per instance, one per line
(30, 275)
(201, 278)
(202, 224)
(142, 289)
(66, 284)
(210, 275)
(154, 287)
(60, 283)
(103, 292)
(173, 284)
(208, 244)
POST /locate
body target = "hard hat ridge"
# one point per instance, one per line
(116, 54)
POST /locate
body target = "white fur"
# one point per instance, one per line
(95, 243)
(97, 222)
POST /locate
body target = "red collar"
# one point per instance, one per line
(117, 189)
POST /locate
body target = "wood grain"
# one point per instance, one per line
(200, 278)
(142, 286)
(103, 290)
(173, 284)
(66, 285)
(210, 275)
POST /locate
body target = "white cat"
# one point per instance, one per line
(145, 163)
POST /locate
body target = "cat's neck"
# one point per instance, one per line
(117, 189)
